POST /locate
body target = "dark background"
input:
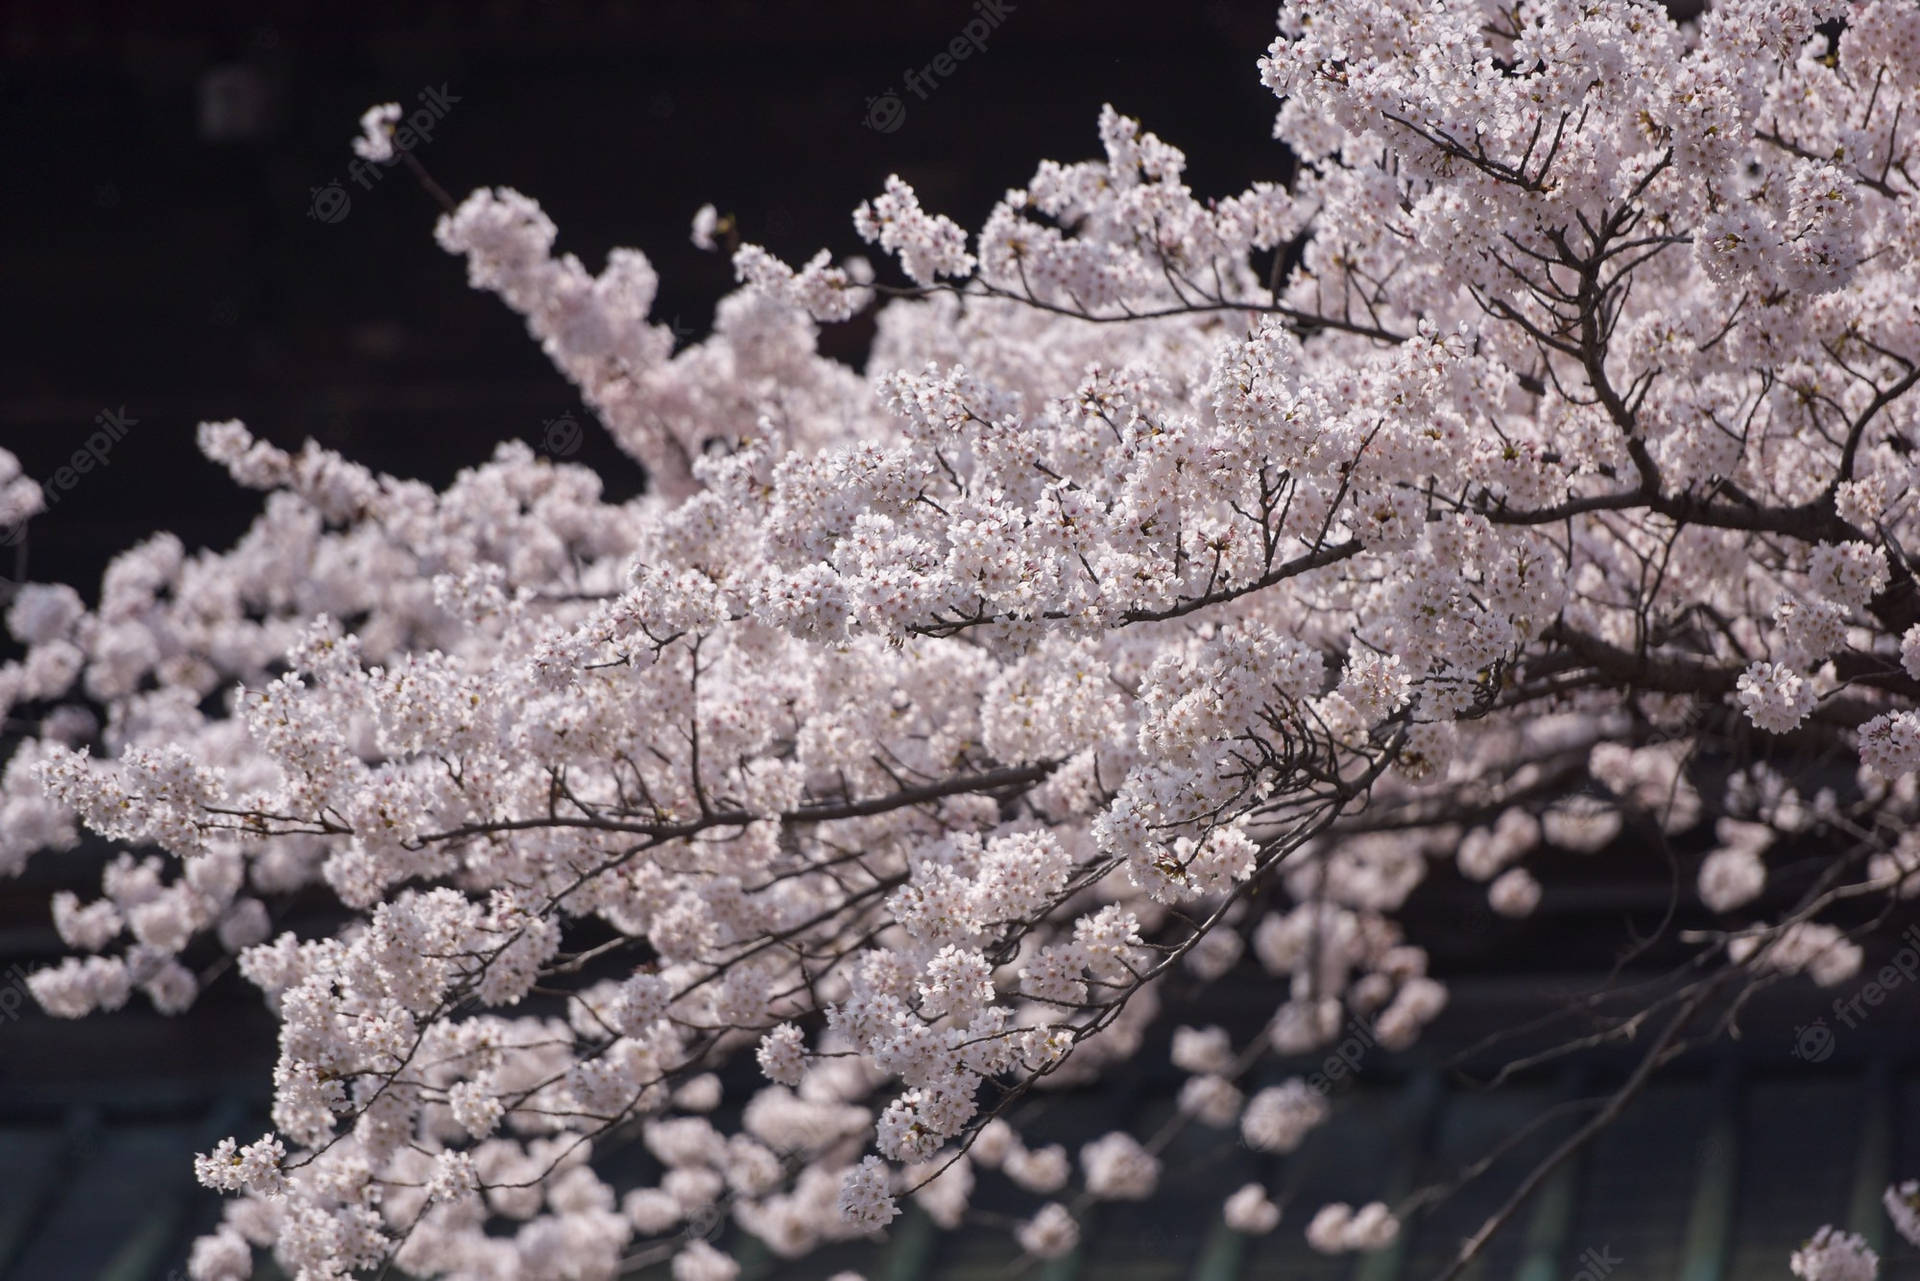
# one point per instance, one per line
(165, 162)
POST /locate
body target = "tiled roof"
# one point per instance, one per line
(1713, 1174)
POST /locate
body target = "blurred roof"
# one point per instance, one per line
(1716, 1173)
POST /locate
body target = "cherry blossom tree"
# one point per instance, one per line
(1178, 579)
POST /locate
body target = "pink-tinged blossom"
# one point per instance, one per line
(1833, 1255)
(1902, 1202)
(1775, 697)
(1050, 1233)
(1250, 1211)
(1278, 1118)
(864, 1197)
